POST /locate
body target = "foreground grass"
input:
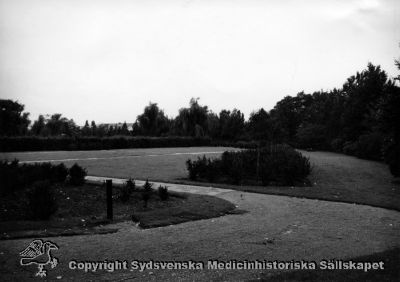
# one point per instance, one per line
(82, 210)
(391, 272)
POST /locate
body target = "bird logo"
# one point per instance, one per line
(39, 253)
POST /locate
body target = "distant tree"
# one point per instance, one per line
(289, 114)
(192, 121)
(124, 129)
(39, 126)
(13, 121)
(213, 125)
(93, 128)
(57, 125)
(231, 124)
(260, 125)
(363, 93)
(86, 131)
(152, 122)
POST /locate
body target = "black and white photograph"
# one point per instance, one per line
(200, 140)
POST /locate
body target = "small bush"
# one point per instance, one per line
(126, 190)
(77, 175)
(146, 192)
(59, 173)
(130, 183)
(41, 200)
(145, 197)
(163, 193)
(124, 194)
(147, 186)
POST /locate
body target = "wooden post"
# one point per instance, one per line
(109, 199)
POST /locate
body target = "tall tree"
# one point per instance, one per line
(13, 121)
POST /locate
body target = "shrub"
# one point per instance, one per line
(163, 193)
(130, 183)
(14, 177)
(41, 200)
(77, 175)
(337, 145)
(369, 146)
(59, 173)
(147, 186)
(280, 164)
(146, 193)
(126, 190)
(124, 194)
(392, 158)
(350, 148)
(311, 136)
(10, 178)
(284, 166)
(145, 197)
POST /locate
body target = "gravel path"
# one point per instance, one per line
(296, 229)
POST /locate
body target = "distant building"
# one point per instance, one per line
(117, 125)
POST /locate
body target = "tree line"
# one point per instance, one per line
(361, 118)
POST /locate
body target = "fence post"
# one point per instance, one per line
(109, 199)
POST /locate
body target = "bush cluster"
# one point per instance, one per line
(281, 165)
(368, 146)
(15, 176)
(77, 175)
(41, 200)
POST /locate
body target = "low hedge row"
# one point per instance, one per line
(35, 143)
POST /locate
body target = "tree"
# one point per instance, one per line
(38, 126)
(124, 129)
(192, 121)
(86, 129)
(93, 128)
(152, 122)
(260, 125)
(363, 93)
(231, 124)
(13, 121)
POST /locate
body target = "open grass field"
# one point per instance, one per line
(334, 177)
(162, 164)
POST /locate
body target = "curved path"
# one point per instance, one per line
(274, 228)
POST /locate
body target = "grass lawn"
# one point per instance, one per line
(334, 177)
(82, 210)
(391, 272)
(157, 164)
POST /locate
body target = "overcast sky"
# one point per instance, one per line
(106, 60)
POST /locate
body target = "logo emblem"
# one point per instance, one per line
(39, 253)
